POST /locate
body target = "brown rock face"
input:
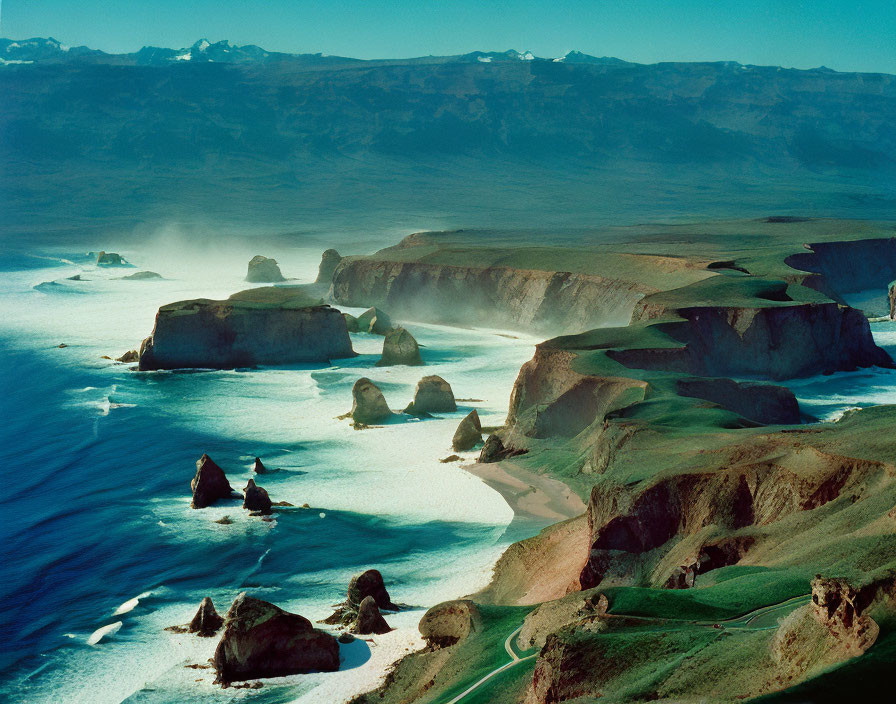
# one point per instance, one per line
(446, 624)
(206, 622)
(263, 640)
(256, 498)
(129, 357)
(259, 468)
(328, 263)
(210, 484)
(369, 584)
(400, 347)
(839, 607)
(432, 395)
(289, 328)
(468, 433)
(375, 321)
(263, 270)
(370, 620)
(368, 403)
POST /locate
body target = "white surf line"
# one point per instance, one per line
(515, 659)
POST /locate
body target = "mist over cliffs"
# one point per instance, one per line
(489, 137)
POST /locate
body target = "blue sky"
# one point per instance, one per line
(849, 36)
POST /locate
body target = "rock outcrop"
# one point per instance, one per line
(493, 450)
(400, 347)
(256, 499)
(450, 622)
(369, 584)
(840, 608)
(206, 622)
(432, 395)
(129, 357)
(328, 263)
(110, 259)
(142, 276)
(370, 620)
(284, 329)
(262, 640)
(368, 403)
(263, 270)
(468, 433)
(210, 484)
(374, 321)
(259, 467)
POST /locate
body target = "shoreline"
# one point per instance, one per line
(530, 495)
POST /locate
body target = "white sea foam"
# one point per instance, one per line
(101, 633)
(392, 471)
(130, 604)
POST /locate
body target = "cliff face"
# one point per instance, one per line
(240, 333)
(523, 299)
(847, 267)
(779, 342)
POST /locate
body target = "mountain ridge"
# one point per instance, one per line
(50, 50)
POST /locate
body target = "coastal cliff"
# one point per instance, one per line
(269, 326)
(709, 500)
(839, 268)
(520, 299)
(449, 278)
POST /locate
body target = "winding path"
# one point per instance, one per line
(743, 621)
(514, 660)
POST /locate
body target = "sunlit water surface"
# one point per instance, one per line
(97, 529)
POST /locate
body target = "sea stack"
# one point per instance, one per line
(269, 326)
(259, 468)
(210, 484)
(400, 347)
(370, 584)
(432, 395)
(256, 499)
(110, 259)
(206, 622)
(262, 640)
(370, 620)
(492, 451)
(263, 270)
(375, 321)
(468, 433)
(328, 263)
(368, 403)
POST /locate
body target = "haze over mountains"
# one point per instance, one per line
(217, 133)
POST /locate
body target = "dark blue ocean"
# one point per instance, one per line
(100, 549)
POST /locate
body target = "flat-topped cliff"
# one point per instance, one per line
(527, 282)
(268, 326)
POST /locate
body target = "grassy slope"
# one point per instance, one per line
(681, 435)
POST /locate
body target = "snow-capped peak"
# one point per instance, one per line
(202, 45)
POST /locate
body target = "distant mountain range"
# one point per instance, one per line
(49, 50)
(487, 138)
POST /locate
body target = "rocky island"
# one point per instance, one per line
(266, 326)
